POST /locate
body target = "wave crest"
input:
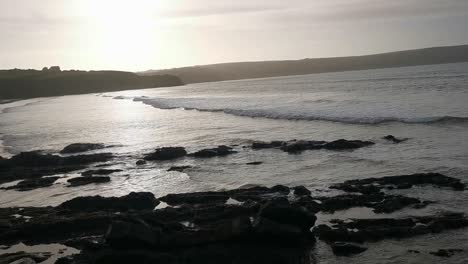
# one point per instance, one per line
(158, 103)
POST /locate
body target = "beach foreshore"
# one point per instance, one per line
(242, 225)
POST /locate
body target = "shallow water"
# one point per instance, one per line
(426, 104)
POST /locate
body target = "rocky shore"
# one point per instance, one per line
(242, 225)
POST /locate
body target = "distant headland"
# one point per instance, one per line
(22, 84)
(263, 69)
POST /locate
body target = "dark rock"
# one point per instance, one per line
(297, 146)
(213, 152)
(99, 172)
(79, 181)
(167, 153)
(400, 181)
(301, 145)
(195, 198)
(254, 163)
(287, 214)
(446, 253)
(361, 230)
(413, 251)
(35, 164)
(393, 203)
(267, 229)
(31, 184)
(308, 202)
(394, 139)
(301, 191)
(141, 162)
(264, 145)
(128, 235)
(380, 202)
(346, 249)
(179, 168)
(81, 147)
(132, 201)
(280, 189)
(343, 144)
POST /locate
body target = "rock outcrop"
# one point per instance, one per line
(166, 153)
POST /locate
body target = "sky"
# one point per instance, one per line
(138, 35)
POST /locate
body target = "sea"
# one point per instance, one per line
(426, 104)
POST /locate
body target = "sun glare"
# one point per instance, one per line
(121, 32)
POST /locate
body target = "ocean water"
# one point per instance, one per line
(427, 104)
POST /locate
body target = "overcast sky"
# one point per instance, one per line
(150, 34)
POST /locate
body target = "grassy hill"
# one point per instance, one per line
(261, 69)
(20, 84)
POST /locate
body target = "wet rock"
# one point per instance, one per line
(392, 203)
(166, 153)
(259, 193)
(361, 230)
(35, 164)
(380, 202)
(284, 213)
(297, 146)
(308, 202)
(99, 172)
(394, 139)
(31, 184)
(343, 144)
(401, 181)
(179, 168)
(264, 145)
(268, 229)
(254, 163)
(346, 249)
(195, 198)
(301, 191)
(79, 181)
(128, 235)
(141, 162)
(301, 145)
(81, 147)
(132, 201)
(446, 253)
(280, 189)
(213, 152)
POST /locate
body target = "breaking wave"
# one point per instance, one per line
(258, 113)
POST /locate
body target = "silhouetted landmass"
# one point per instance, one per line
(261, 69)
(53, 82)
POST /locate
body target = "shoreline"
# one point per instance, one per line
(245, 224)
